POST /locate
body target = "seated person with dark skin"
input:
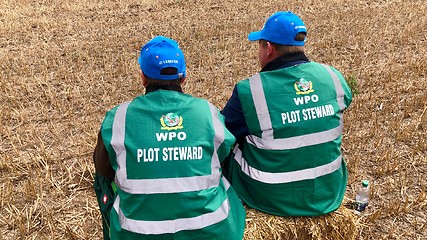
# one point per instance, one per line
(158, 159)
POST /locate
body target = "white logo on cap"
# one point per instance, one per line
(169, 61)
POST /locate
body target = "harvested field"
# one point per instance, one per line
(65, 63)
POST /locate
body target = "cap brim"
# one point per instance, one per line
(254, 36)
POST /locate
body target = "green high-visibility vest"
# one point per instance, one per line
(291, 163)
(166, 148)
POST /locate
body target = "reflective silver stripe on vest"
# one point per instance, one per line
(169, 185)
(260, 102)
(218, 138)
(338, 87)
(285, 177)
(267, 140)
(297, 141)
(162, 185)
(226, 183)
(118, 141)
(172, 226)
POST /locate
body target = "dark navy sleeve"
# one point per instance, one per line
(234, 118)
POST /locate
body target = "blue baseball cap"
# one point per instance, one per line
(281, 28)
(159, 53)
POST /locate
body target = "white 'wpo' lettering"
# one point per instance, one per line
(168, 136)
(306, 99)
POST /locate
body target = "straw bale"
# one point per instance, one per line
(341, 224)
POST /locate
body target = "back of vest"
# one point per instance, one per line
(291, 163)
(166, 148)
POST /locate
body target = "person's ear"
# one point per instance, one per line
(143, 78)
(182, 80)
(270, 49)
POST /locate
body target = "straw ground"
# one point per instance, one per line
(65, 63)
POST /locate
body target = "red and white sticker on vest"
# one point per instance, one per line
(105, 199)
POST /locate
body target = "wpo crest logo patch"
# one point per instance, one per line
(303, 86)
(171, 121)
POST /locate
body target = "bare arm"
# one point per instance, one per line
(102, 161)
